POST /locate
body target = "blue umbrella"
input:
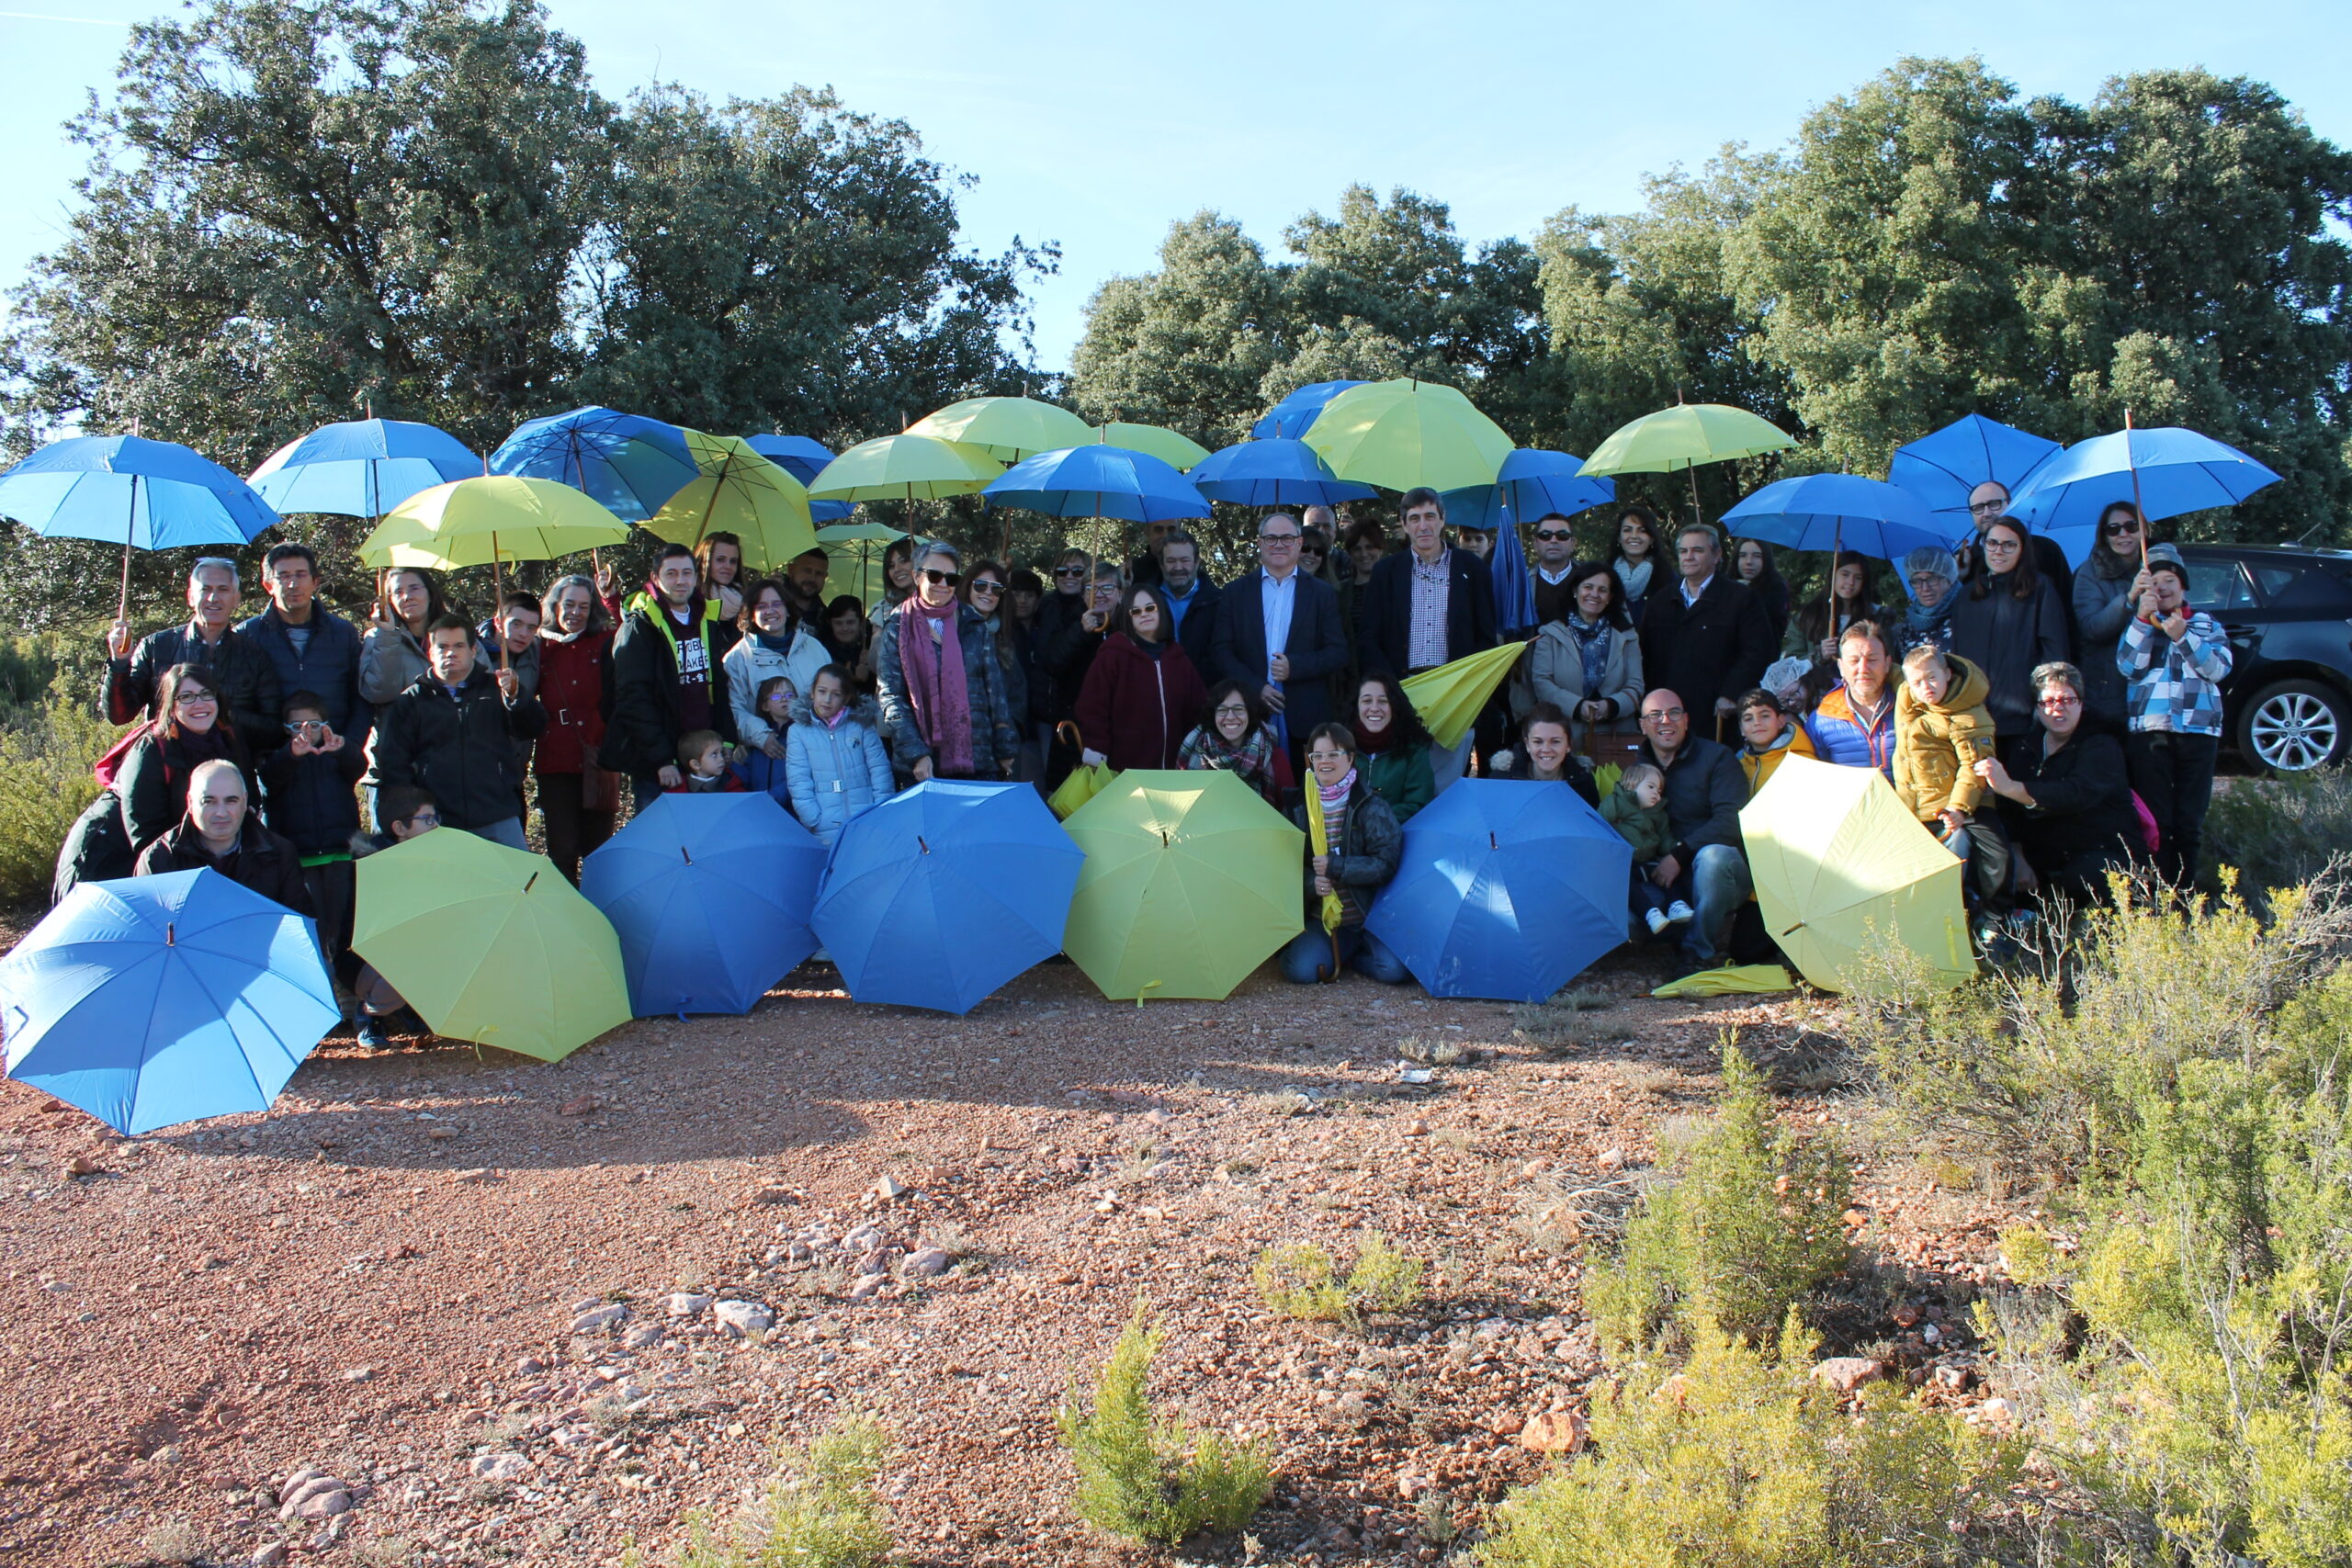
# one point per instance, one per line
(802, 456)
(1514, 583)
(362, 468)
(935, 898)
(1841, 512)
(1530, 482)
(710, 895)
(1098, 481)
(161, 1000)
(1290, 418)
(1508, 889)
(1942, 468)
(624, 462)
(2166, 471)
(1277, 472)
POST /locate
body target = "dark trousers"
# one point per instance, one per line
(1987, 881)
(331, 886)
(573, 829)
(2174, 775)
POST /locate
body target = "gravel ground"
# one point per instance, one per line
(467, 1291)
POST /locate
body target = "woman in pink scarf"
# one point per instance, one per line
(944, 707)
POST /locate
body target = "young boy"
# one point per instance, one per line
(702, 757)
(406, 811)
(1770, 732)
(1636, 808)
(312, 800)
(1942, 732)
(2175, 660)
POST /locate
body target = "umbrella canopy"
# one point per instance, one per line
(128, 490)
(476, 521)
(1098, 481)
(1173, 447)
(905, 467)
(628, 464)
(857, 551)
(1273, 472)
(1192, 881)
(1401, 433)
(1008, 428)
(1683, 437)
(489, 944)
(1941, 469)
(935, 897)
(1841, 866)
(804, 458)
(161, 1000)
(742, 493)
(1448, 698)
(1289, 419)
(1530, 482)
(710, 895)
(1822, 512)
(1508, 889)
(2176, 471)
(361, 467)
(1513, 584)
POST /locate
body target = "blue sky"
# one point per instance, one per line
(1097, 125)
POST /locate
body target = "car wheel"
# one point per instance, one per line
(2294, 726)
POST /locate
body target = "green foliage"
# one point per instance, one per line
(1747, 1222)
(1152, 1478)
(51, 736)
(821, 1512)
(1303, 1282)
(1740, 1462)
(2279, 831)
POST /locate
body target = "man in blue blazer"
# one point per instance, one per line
(1426, 606)
(1291, 671)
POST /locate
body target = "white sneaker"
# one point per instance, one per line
(1658, 921)
(1679, 913)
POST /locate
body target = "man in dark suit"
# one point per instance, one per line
(1425, 606)
(1189, 598)
(1706, 636)
(1291, 672)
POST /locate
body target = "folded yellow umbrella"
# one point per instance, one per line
(1737, 980)
(1448, 698)
(739, 492)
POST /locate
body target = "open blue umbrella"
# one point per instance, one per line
(361, 467)
(2176, 471)
(624, 462)
(710, 895)
(1277, 472)
(1841, 512)
(161, 1000)
(1530, 482)
(935, 898)
(1290, 418)
(1509, 889)
(1941, 469)
(803, 457)
(1098, 481)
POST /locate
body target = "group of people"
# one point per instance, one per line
(2015, 710)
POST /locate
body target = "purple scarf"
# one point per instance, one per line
(936, 684)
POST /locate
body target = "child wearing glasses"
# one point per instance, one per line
(312, 799)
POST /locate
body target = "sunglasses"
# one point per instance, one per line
(1553, 535)
(1069, 571)
(953, 578)
(984, 586)
(2113, 530)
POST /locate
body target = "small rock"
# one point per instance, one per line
(1609, 1160)
(686, 1303)
(764, 1196)
(1846, 1373)
(1554, 1432)
(743, 1319)
(1674, 1390)
(269, 1554)
(81, 1164)
(926, 1262)
(440, 1134)
(324, 1504)
(642, 1335)
(529, 1366)
(599, 1317)
(2000, 1410)
(1952, 1378)
(316, 1497)
(867, 1288)
(475, 1178)
(579, 1105)
(359, 1374)
(1905, 1314)
(1415, 1128)
(890, 1189)
(499, 1467)
(1506, 1425)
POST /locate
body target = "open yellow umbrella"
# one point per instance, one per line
(739, 492)
(1841, 866)
(905, 467)
(1010, 428)
(1173, 447)
(856, 550)
(1449, 697)
(1401, 433)
(483, 521)
(1682, 437)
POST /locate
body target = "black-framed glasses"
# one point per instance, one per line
(953, 578)
(1668, 713)
(1987, 508)
(425, 819)
(1234, 710)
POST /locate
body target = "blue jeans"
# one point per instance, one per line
(507, 830)
(1715, 883)
(1308, 960)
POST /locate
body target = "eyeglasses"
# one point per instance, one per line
(1233, 710)
(1140, 611)
(1551, 535)
(2061, 699)
(425, 819)
(2127, 527)
(1326, 756)
(1069, 571)
(953, 578)
(189, 698)
(1278, 538)
(307, 728)
(982, 585)
(1987, 508)
(1668, 713)
(2002, 547)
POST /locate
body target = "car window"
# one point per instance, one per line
(2298, 585)
(2217, 586)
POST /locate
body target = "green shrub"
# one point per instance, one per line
(46, 754)
(1740, 1462)
(1747, 1220)
(820, 1512)
(1152, 1478)
(1303, 1280)
(2278, 832)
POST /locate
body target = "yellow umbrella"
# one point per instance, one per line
(1010, 428)
(1170, 447)
(905, 467)
(1449, 697)
(1401, 433)
(1841, 866)
(1683, 437)
(857, 550)
(483, 521)
(740, 492)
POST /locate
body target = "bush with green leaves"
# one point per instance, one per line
(1303, 1280)
(2278, 832)
(821, 1510)
(51, 736)
(1747, 1220)
(1149, 1477)
(1739, 1459)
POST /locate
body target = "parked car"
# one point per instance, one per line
(2288, 614)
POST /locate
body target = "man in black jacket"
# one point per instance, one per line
(668, 678)
(242, 674)
(1189, 598)
(221, 834)
(1706, 636)
(1291, 674)
(1707, 866)
(454, 733)
(309, 648)
(1425, 606)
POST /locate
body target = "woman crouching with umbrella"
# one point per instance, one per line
(1353, 845)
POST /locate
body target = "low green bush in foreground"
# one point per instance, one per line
(821, 1512)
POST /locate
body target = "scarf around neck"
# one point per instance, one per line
(936, 684)
(1335, 797)
(1373, 741)
(1635, 575)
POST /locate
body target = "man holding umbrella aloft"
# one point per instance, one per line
(241, 671)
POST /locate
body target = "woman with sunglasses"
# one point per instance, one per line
(2107, 589)
(943, 706)
(149, 793)
(984, 591)
(1141, 695)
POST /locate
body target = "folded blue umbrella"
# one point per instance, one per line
(629, 464)
(710, 895)
(1277, 472)
(1842, 512)
(161, 1000)
(361, 467)
(1530, 482)
(1514, 584)
(1509, 889)
(2177, 471)
(1098, 480)
(1289, 419)
(128, 490)
(802, 456)
(1941, 469)
(935, 898)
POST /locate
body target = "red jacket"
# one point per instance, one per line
(574, 688)
(1136, 709)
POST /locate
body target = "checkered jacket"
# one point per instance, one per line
(2175, 686)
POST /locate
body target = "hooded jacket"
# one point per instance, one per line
(460, 748)
(751, 664)
(1645, 827)
(642, 730)
(835, 770)
(1937, 745)
(1759, 766)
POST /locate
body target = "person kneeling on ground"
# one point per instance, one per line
(1636, 808)
(1707, 866)
(406, 812)
(702, 766)
(1942, 731)
(1768, 732)
(1364, 845)
(219, 834)
(2069, 804)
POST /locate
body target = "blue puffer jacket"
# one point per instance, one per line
(835, 770)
